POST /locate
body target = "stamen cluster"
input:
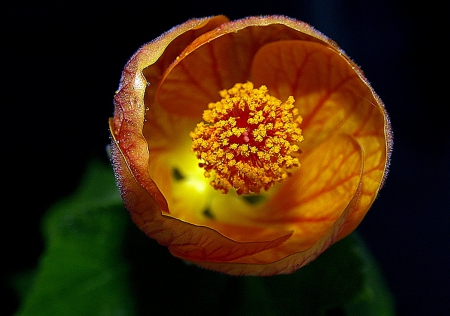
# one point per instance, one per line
(248, 140)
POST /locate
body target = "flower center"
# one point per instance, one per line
(248, 140)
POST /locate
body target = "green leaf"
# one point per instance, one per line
(97, 262)
(82, 270)
(345, 280)
(374, 299)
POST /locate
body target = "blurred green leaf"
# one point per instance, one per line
(96, 262)
(374, 298)
(344, 280)
(81, 271)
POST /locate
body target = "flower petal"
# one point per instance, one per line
(290, 263)
(185, 240)
(130, 100)
(223, 56)
(333, 97)
(317, 194)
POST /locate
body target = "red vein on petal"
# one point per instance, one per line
(195, 80)
(307, 119)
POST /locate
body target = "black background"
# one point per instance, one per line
(61, 64)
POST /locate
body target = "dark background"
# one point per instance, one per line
(61, 64)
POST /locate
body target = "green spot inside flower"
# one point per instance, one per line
(177, 175)
(207, 213)
(253, 198)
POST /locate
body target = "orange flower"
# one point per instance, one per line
(249, 146)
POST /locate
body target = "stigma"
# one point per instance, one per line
(248, 141)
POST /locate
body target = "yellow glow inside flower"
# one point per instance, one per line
(248, 140)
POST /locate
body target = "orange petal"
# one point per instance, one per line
(329, 93)
(220, 58)
(127, 125)
(288, 264)
(333, 97)
(316, 204)
(185, 240)
(328, 215)
(314, 198)
(196, 77)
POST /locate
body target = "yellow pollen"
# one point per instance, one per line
(248, 140)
